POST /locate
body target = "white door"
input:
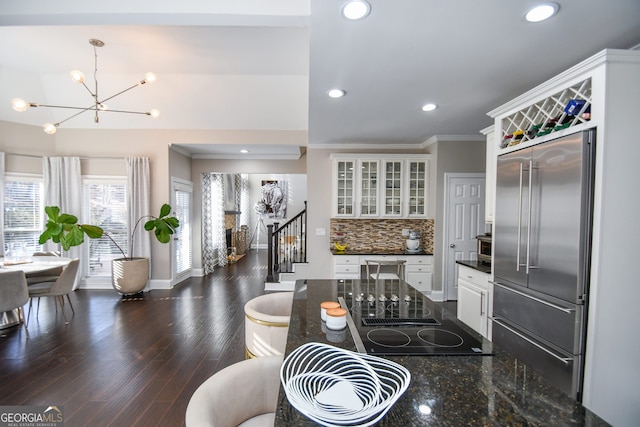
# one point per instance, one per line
(181, 245)
(464, 220)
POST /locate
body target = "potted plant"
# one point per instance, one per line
(129, 274)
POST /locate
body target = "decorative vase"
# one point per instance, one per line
(129, 276)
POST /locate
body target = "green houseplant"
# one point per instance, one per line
(129, 274)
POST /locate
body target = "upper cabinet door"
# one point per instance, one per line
(369, 188)
(393, 188)
(344, 183)
(417, 178)
(380, 185)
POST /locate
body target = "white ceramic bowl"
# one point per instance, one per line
(412, 245)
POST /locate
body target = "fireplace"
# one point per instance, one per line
(229, 236)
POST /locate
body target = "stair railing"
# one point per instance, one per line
(286, 245)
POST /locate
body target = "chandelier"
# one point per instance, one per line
(98, 105)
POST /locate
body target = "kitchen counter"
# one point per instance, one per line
(378, 252)
(485, 268)
(496, 390)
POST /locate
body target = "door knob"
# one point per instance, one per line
(452, 245)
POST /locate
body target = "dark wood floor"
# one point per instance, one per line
(131, 362)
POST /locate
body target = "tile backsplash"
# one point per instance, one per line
(380, 234)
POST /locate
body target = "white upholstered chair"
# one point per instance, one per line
(266, 324)
(49, 275)
(58, 288)
(243, 394)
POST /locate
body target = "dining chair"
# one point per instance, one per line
(57, 289)
(381, 275)
(14, 294)
(49, 275)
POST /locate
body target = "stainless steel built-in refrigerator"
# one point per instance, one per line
(542, 240)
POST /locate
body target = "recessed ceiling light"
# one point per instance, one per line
(429, 107)
(356, 9)
(336, 93)
(244, 151)
(541, 12)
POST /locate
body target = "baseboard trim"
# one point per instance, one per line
(279, 286)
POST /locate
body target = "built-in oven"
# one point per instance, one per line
(484, 248)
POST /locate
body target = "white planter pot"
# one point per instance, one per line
(129, 276)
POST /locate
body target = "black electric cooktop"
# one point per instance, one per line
(392, 318)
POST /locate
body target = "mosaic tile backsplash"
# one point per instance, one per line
(380, 234)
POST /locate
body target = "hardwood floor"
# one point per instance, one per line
(130, 361)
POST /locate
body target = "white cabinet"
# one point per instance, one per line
(417, 171)
(346, 266)
(490, 175)
(474, 299)
(369, 189)
(393, 188)
(344, 182)
(418, 270)
(380, 186)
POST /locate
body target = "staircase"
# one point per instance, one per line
(286, 247)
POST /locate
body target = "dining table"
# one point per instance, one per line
(30, 266)
(492, 388)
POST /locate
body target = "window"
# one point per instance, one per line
(105, 206)
(182, 238)
(23, 212)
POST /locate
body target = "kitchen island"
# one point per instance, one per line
(444, 390)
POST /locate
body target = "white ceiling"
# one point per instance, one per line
(256, 65)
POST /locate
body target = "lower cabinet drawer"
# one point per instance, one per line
(346, 259)
(472, 275)
(343, 268)
(418, 268)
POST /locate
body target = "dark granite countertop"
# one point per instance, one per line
(494, 390)
(476, 265)
(378, 252)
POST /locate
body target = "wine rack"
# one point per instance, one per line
(548, 115)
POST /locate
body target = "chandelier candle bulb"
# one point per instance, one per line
(327, 305)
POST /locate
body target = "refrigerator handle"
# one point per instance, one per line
(541, 301)
(529, 216)
(564, 360)
(519, 221)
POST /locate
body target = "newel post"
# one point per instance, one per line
(270, 253)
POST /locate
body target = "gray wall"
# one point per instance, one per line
(200, 166)
(451, 157)
(103, 152)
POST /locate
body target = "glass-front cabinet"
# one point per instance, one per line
(393, 188)
(417, 188)
(380, 185)
(344, 188)
(369, 187)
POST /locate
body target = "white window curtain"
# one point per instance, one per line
(2, 202)
(214, 244)
(63, 187)
(138, 204)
